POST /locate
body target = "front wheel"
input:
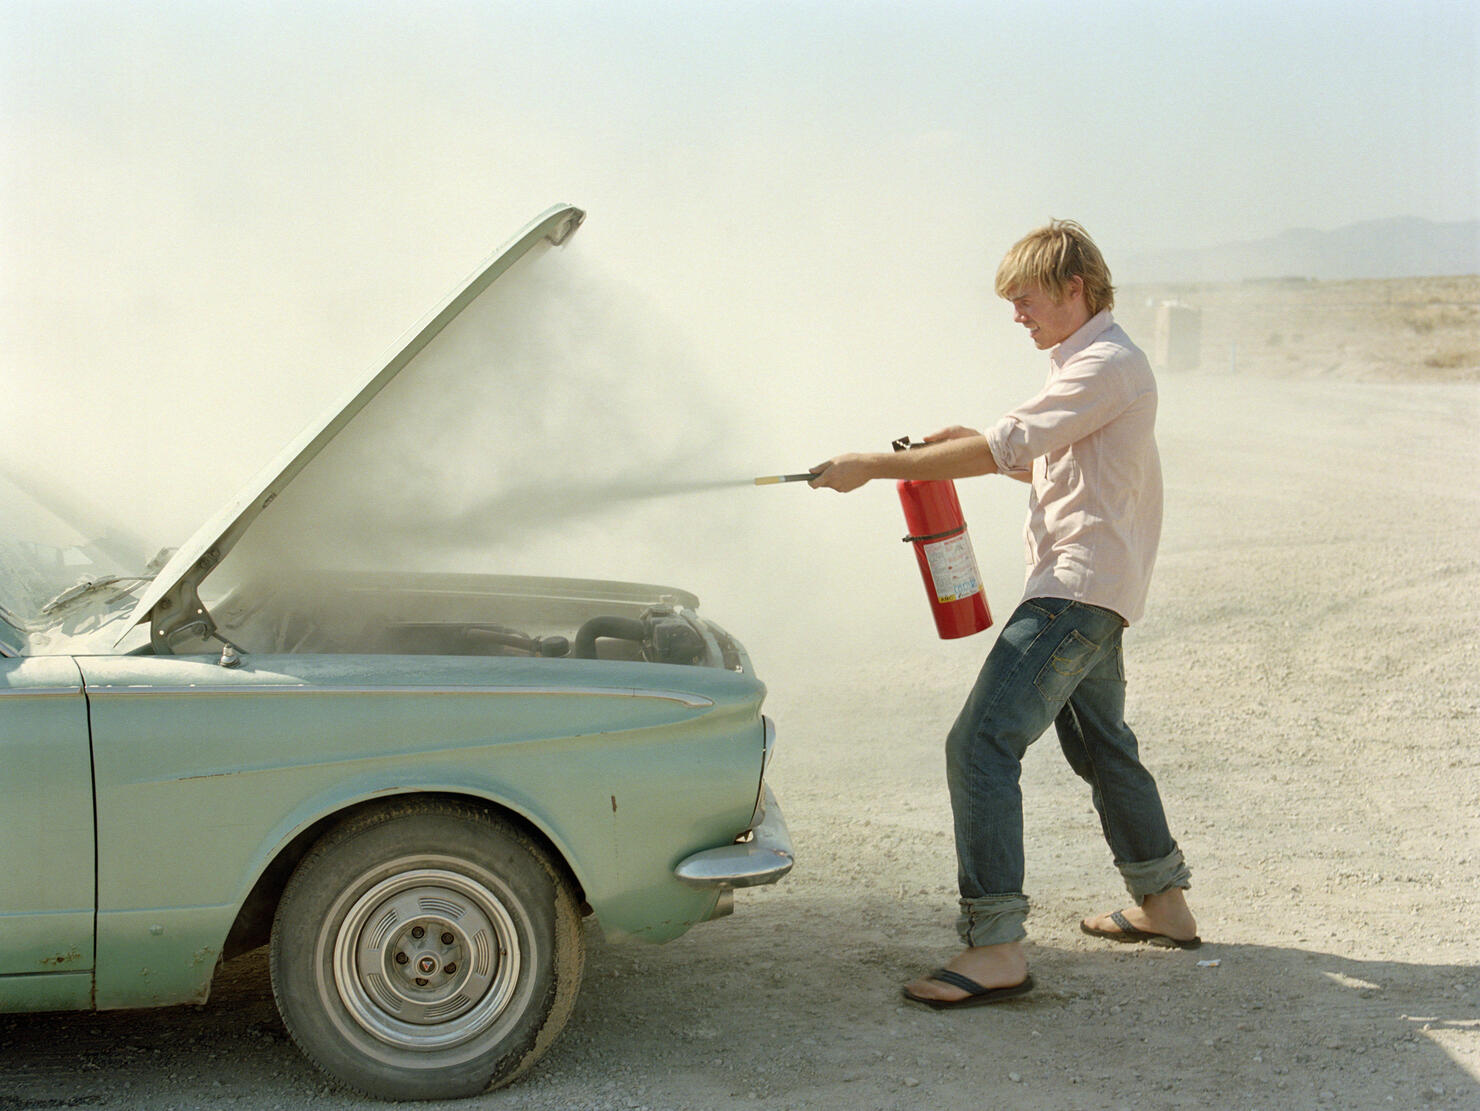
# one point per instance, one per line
(426, 950)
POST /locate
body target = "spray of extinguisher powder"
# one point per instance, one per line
(937, 529)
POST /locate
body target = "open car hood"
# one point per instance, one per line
(172, 602)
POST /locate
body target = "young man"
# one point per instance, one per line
(1086, 445)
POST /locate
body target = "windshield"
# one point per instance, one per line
(57, 561)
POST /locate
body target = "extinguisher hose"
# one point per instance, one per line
(957, 531)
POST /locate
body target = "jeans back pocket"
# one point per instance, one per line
(1065, 667)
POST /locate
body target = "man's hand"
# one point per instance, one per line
(843, 473)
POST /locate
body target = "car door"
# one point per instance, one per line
(47, 880)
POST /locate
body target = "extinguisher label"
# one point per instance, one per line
(953, 568)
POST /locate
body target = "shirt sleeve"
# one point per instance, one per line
(1085, 394)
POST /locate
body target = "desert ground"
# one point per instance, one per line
(1306, 687)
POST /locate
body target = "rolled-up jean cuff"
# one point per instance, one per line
(992, 919)
(1152, 877)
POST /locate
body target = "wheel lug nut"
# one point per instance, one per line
(421, 982)
(447, 939)
(418, 933)
(402, 958)
(450, 967)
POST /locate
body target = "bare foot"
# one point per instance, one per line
(991, 966)
(1166, 913)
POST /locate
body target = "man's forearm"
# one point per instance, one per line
(961, 457)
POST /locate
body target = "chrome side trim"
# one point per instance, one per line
(765, 858)
(695, 701)
(768, 749)
(40, 692)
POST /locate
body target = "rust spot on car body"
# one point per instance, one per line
(72, 954)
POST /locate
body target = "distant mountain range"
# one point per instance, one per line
(1405, 247)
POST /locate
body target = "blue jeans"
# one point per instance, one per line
(1055, 661)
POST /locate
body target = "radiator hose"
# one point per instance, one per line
(619, 628)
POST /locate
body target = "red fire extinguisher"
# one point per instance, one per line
(932, 513)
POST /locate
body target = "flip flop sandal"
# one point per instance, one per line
(1129, 933)
(976, 994)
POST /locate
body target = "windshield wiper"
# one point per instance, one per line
(90, 586)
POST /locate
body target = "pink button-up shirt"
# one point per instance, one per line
(1094, 516)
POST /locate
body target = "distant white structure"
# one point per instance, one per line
(1178, 339)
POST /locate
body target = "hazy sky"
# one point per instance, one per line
(215, 215)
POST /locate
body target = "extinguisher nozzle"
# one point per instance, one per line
(772, 479)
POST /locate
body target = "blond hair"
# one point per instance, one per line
(1050, 257)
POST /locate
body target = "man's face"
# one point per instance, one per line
(1050, 322)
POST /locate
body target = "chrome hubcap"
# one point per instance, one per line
(426, 959)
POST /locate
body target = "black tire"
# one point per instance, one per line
(468, 1003)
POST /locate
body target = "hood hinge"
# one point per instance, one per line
(181, 610)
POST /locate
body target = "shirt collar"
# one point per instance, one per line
(1091, 330)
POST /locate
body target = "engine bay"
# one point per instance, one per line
(470, 615)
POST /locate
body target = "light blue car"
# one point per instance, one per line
(413, 786)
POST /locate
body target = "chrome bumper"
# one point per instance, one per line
(762, 859)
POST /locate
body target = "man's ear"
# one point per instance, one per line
(1075, 287)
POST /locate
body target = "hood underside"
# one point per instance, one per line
(172, 601)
